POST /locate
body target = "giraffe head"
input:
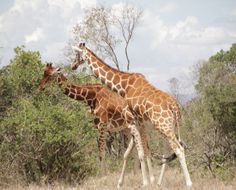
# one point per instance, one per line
(50, 73)
(80, 56)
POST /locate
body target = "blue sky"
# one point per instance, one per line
(172, 37)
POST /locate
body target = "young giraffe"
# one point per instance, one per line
(110, 110)
(147, 104)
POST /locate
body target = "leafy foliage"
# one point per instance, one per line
(107, 29)
(217, 85)
(210, 117)
(44, 136)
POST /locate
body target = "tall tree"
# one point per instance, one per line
(109, 32)
(212, 113)
(175, 88)
(217, 84)
(106, 28)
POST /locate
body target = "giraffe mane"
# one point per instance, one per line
(113, 69)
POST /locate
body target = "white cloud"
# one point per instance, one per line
(187, 32)
(117, 8)
(168, 7)
(45, 22)
(172, 48)
(233, 12)
(20, 6)
(87, 3)
(35, 36)
(54, 51)
(186, 27)
(66, 6)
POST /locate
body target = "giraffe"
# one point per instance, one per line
(147, 103)
(111, 113)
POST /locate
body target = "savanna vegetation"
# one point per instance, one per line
(209, 119)
(46, 137)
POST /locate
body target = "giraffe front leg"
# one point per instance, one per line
(102, 148)
(147, 152)
(127, 152)
(139, 146)
(163, 166)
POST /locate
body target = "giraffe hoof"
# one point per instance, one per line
(152, 179)
(145, 184)
(119, 185)
(189, 184)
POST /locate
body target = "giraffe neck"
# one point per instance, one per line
(61, 80)
(113, 78)
(86, 94)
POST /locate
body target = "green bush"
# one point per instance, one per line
(45, 136)
(209, 119)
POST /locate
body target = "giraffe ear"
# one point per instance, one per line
(58, 69)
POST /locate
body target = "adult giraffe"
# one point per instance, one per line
(147, 104)
(110, 110)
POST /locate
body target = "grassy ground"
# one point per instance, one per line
(173, 180)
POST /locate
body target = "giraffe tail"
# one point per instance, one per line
(177, 122)
(177, 117)
(178, 133)
(173, 156)
(165, 159)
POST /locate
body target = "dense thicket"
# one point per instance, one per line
(44, 135)
(210, 118)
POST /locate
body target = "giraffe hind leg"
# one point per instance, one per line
(179, 151)
(127, 152)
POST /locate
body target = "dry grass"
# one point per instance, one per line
(173, 180)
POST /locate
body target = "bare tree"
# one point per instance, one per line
(1, 56)
(127, 22)
(104, 29)
(175, 87)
